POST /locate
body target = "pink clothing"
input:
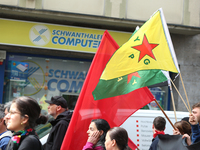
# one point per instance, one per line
(89, 146)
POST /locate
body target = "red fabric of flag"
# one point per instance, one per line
(115, 110)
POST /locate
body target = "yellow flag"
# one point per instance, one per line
(149, 48)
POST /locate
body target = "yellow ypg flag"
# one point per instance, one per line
(149, 48)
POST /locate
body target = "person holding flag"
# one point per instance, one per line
(193, 140)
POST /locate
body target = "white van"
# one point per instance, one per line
(139, 125)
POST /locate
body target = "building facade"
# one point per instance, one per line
(69, 33)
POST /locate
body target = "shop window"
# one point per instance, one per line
(41, 78)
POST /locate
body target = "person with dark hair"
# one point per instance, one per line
(23, 116)
(186, 119)
(182, 127)
(43, 119)
(5, 135)
(158, 128)
(117, 139)
(96, 134)
(59, 110)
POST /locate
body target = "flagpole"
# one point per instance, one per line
(179, 94)
(185, 93)
(173, 102)
(165, 114)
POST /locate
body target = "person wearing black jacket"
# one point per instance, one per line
(58, 109)
(158, 128)
(21, 119)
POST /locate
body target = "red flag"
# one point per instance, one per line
(115, 110)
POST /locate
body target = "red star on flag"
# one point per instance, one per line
(145, 48)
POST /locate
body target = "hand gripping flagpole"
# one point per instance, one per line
(165, 114)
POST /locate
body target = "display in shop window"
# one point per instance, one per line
(18, 70)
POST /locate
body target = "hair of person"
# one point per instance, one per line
(2, 114)
(43, 120)
(7, 105)
(183, 126)
(102, 124)
(186, 119)
(196, 105)
(29, 106)
(120, 135)
(159, 123)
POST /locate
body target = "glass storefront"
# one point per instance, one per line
(39, 76)
(43, 77)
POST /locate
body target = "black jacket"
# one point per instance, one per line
(57, 133)
(170, 142)
(194, 146)
(154, 143)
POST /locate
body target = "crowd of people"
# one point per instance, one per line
(18, 120)
(187, 129)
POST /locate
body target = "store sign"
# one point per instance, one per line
(66, 80)
(49, 36)
(39, 35)
(76, 38)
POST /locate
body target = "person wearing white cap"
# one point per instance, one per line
(59, 110)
